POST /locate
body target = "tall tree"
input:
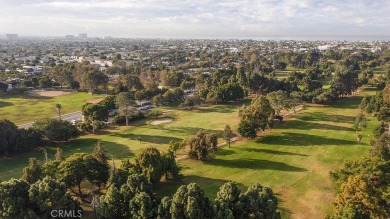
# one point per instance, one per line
(99, 152)
(8, 136)
(150, 162)
(80, 167)
(112, 204)
(227, 134)
(125, 102)
(380, 147)
(48, 195)
(33, 172)
(59, 107)
(279, 100)
(360, 123)
(361, 185)
(228, 203)
(14, 199)
(257, 115)
(201, 144)
(171, 170)
(359, 196)
(190, 202)
(143, 206)
(259, 202)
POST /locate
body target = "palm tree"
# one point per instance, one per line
(58, 107)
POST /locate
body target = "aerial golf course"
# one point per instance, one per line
(294, 158)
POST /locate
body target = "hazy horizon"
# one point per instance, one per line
(197, 19)
(260, 38)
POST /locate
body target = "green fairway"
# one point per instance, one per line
(294, 159)
(23, 108)
(122, 142)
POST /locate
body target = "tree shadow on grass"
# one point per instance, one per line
(320, 116)
(24, 96)
(224, 151)
(303, 125)
(299, 139)
(185, 130)
(261, 150)
(351, 102)
(5, 104)
(155, 139)
(209, 185)
(218, 109)
(120, 151)
(255, 164)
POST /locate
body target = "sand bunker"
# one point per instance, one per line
(47, 93)
(160, 121)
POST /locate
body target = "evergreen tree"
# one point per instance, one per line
(14, 199)
(163, 210)
(259, 202)
(33, 172)
(228, 203)
(227, 134)
(190, 202)
(150, 163)
(49, 194)
(112, 204)
(100, 153)
(143, 206)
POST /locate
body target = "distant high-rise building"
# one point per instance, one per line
(69, 37)
(12, 36)
(83, 35)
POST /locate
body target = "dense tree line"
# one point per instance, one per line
(13, 139)
(362, 185)
(20, 199)
(135, 199)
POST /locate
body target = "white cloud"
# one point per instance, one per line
(202, 18)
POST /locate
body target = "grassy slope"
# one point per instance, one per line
(294, 159)
(24, 108)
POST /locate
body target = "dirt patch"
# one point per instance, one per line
(160, 121)
(47, 93)
(95, 100)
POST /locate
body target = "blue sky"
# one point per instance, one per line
(195, 18)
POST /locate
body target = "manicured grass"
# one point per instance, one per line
(294, 159)
(23, 108)
(122, 142)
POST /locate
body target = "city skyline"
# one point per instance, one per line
(200, 19)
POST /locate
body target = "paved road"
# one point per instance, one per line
(68, 117)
